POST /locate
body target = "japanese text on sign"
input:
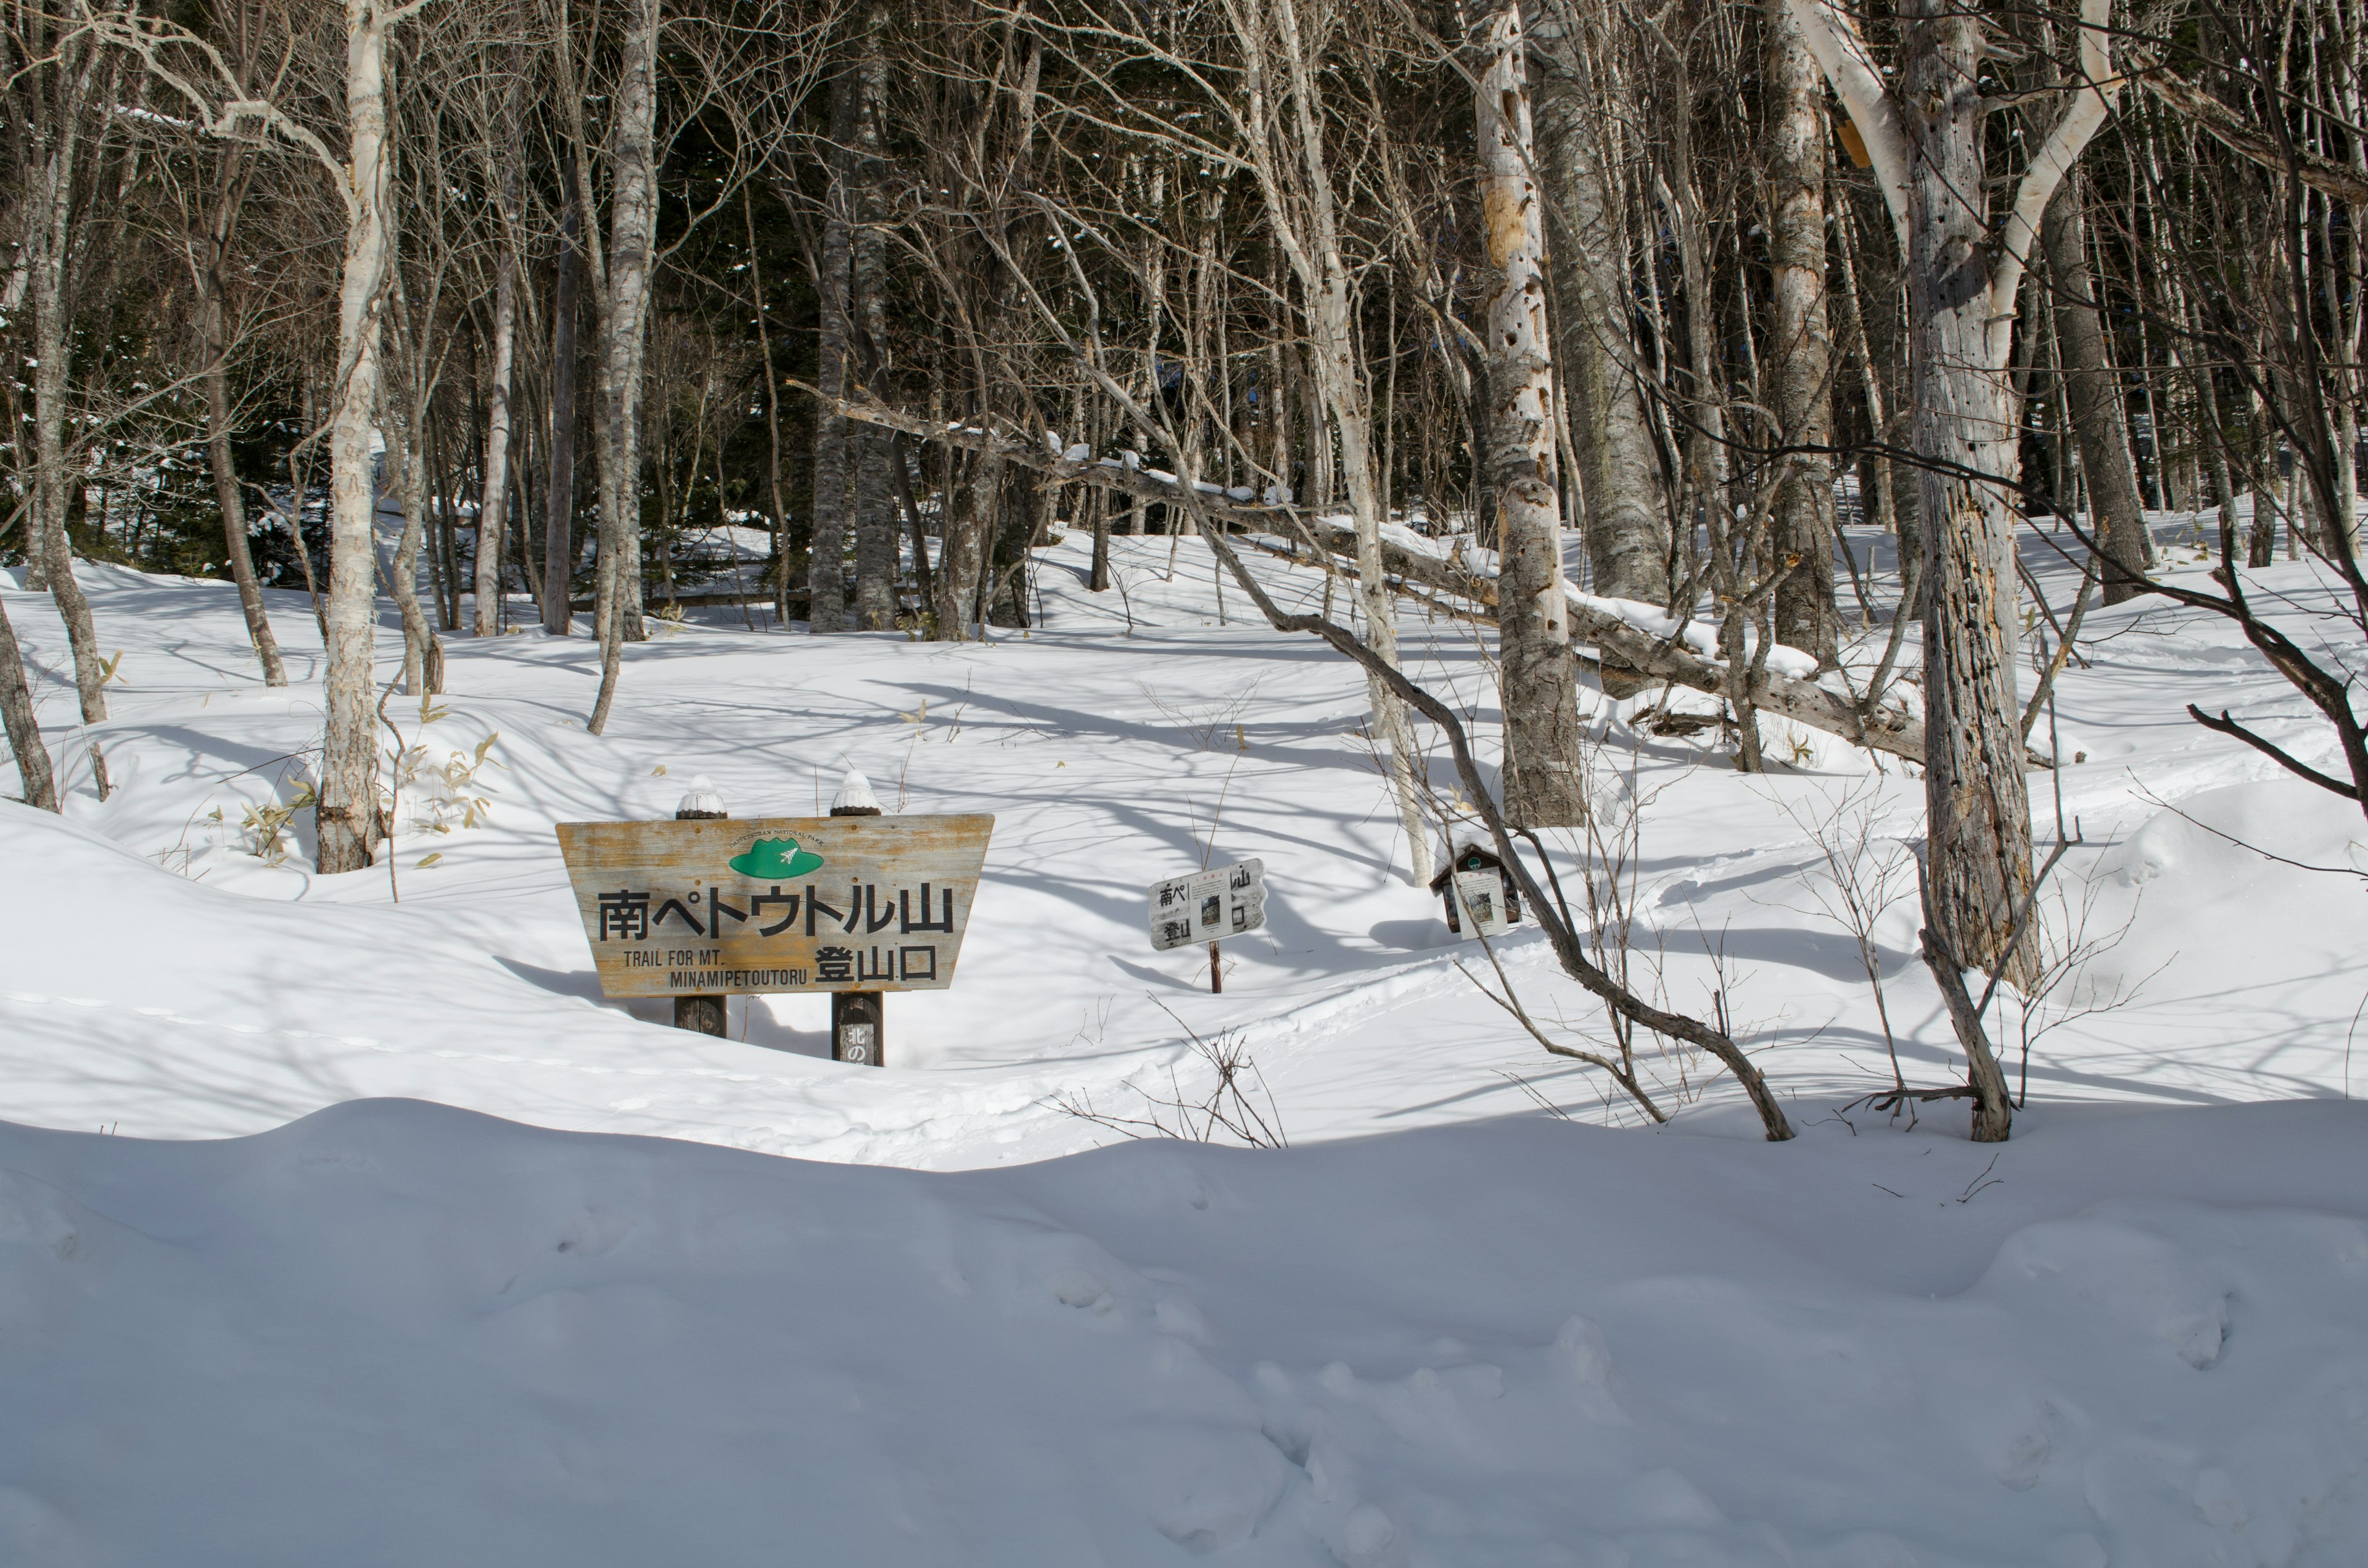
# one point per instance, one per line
(860, 904)
(1207, 906)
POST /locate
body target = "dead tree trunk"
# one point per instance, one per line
(1926, 141)
(1543, 786)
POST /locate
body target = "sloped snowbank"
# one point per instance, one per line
(393, 1333)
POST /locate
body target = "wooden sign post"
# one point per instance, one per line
(859, 1020)
(1207, 907)
(707, 906)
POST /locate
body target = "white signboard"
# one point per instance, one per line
(1481, 895)
(1207, 906)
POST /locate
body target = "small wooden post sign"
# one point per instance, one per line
(1206, 906)
(1474, 883)
(775, 903)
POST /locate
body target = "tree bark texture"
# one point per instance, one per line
(347, 813)
(1801, 347)
(407, 455)
(1978, 811)
(632, 225)
(2093, 393)
(24, 729)
(1543, 786)
(969, 524)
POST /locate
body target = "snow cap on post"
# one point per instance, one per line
(701, 798)
(855, 798)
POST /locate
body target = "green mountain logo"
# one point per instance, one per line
(775, 860)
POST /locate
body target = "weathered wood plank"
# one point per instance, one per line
(776, 903)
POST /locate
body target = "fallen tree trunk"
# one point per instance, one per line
(1888, 729)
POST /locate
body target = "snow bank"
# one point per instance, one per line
(395, 1333)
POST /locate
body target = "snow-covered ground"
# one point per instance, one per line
(1444, 1327)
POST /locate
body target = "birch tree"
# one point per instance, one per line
(1925, 136)
(347, 814)
(1543, 785)
(1581, 109)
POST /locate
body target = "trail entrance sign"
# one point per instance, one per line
(729, 905)
(1208, 905)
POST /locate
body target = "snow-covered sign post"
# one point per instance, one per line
(1207, 906)
(853, 906)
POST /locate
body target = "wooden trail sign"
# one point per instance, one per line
(730, 905)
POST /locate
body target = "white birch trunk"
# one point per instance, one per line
(1543, 787)
(492, 502)
(632, 220)
(347, 813)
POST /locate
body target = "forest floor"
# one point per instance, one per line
(259, 1304)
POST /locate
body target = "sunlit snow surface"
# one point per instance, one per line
(1444, 1329)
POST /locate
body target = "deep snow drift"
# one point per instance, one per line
(1442, 1328)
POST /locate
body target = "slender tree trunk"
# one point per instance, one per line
(1620, 483)
(409, 458)
(632, 225)
(827, 557)
(493, 497)
(1097, 580)
(1802, 346)
(559, 493)
(213, 334)
(2094, 391)
(1543, 787)
(1332, 351)
(776, 579)
(24, 729)
(961, 560)
(51, 229)
(347, 813)
(875, 501)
